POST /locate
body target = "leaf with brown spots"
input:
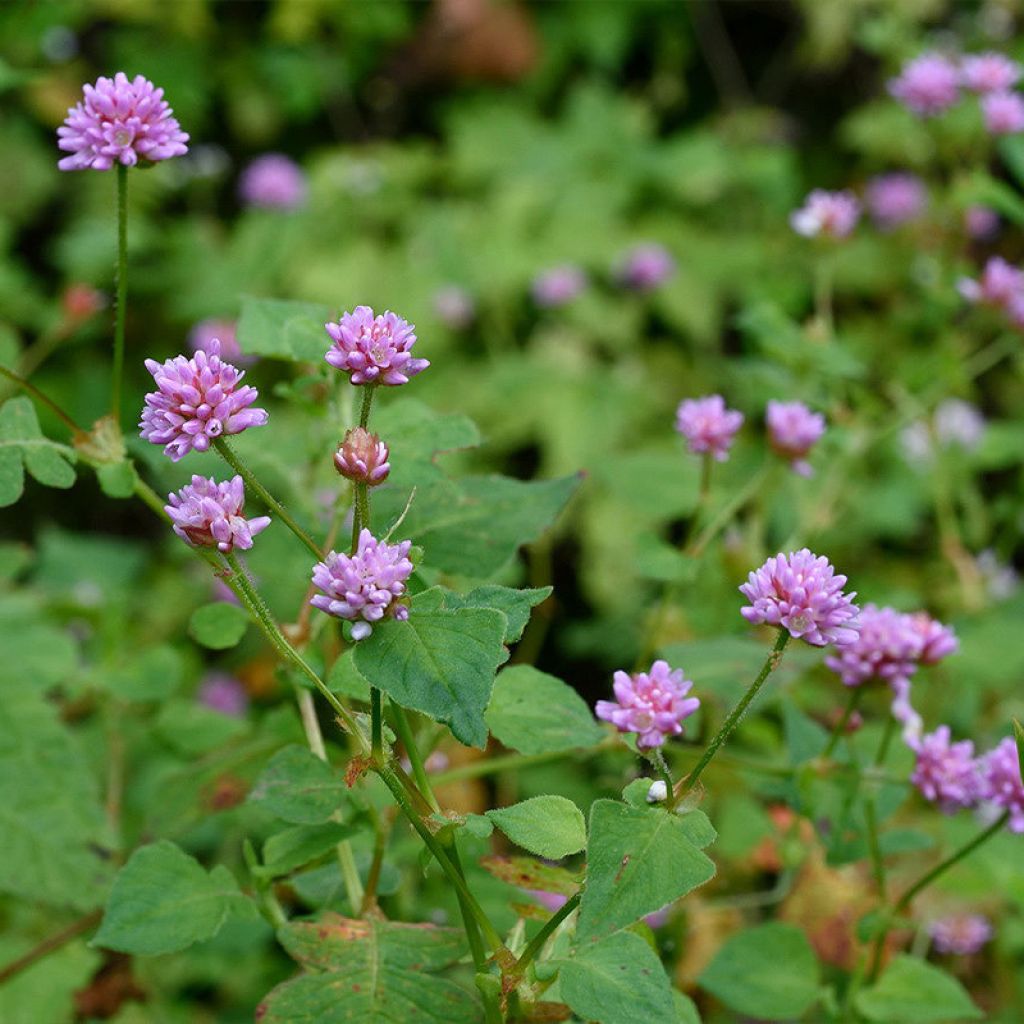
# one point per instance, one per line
(358, 972)
(528, 873)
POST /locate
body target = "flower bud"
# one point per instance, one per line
(363, 458)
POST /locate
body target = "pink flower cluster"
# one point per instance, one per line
(374, 349)
(558, 286)
(1001, 287)
(793, 430)
(208, 514)
(365, 586)
(960, 934)
(645, 267)
(930, 85)
(802, 593)
(708, 426)
(222, 333)
(119, 120)
(826, 215)
(651, 704)
(273, 181)
(197, 400)
(363, 458)
(895, 199)
(891, 645)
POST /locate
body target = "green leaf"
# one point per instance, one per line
(440, 661)
(154, 675)
(299, 788)
(638, 860)
(473, 528)
(913, 992)
(686, 1010)
(36, 655)
(618, 980)
(193, 729)
(218, 625)
(54, 831)
(297, 847)
(515, 604)
(45, 990)
(549, 826)
(163, 901)
(698, 828)
(768, 972)
(285, 329)
(527, 873)
(370, 972)
(345, 679)
(23, 446)
(117, 479)
(535, 713)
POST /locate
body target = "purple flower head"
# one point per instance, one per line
(366, 586)
(960, 934)
(1000, 284)
(927, 85)
(981, 223)
(374, 350)
(273, 181)
(989, 72)
(829, 214)
(119, 121)
(652, 704)
(800, 592)
(223, 331)
(708, 426)
(936, 640)
(895, 199)
(887, 647)
(207, 514)
(1003, 112)
(362, 457)
(454, 307)
(1001, 782)
(645, 267)
(224, 693)
(558, 286)
(196, 401)
(793, 430)
(947, 773)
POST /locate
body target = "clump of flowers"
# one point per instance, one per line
(366, 586)
(708, 426)
(363, 458)
(887, 647)
(651, 704)
(374, 349)
(989, 72)
(826, 214)
(197, 400)
(960, 934)
(1003, 112)
(208, 514)
(273, 181)
(119, 120)
(1000, 283)
(645, 267)
(224, 693)
(927, 85)
(558, 286)
(1001, 782)
(947, 773)
(801, 593)
(895, 199)
(793, 430)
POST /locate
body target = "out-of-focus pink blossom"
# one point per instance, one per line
(793, 430)
(273, 181)
(927, 85)
(826, 214)
(989, 72)
(1003, 112)
(960, 934)
(708, 426)
(895, 199)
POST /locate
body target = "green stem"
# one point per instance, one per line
(50, 404)
(419, 772)
(364, 409)
(376, 730)
(260, 612)
(856, 693)
(726, 513)
(925, 880)
(122, 291)
(874, 849)
(737, 713)
(230, 456)
(360, 512)
(391, 780)
(537, 942)
(657, 758)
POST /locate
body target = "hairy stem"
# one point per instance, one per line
(419, 772)
(230, 456)
(733, 720)
(121, 307)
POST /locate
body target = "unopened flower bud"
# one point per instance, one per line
(363, 458)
